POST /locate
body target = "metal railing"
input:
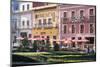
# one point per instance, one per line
(65, 20)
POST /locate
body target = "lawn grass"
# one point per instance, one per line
(31, 53)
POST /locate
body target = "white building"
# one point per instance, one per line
(24, 26)
(25, 6)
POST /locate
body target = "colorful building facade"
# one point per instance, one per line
(78, 23)
(45, 22)
(57, 22)
(24, 25)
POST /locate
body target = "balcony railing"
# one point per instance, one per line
(92, 19)
(82, 19)
(39, 26)
(43, 25)
(50, 25)
(24, 27)
(64, 20)
(78, 19)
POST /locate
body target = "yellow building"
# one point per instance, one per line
(45, 22)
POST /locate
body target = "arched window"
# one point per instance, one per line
(49, 21)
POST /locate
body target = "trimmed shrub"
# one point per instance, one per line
(35, 46)
(56, 47)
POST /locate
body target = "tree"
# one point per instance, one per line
(56, 46)
(25, 42)
(48, 45)
(35, 46)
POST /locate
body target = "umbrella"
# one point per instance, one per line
(39, 38)
(84, 40)
(19, 38)
(65, 42)
(68, 41)
(59, 40)
(32, 39)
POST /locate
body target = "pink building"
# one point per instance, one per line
(78, 22)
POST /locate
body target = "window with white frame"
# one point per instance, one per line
(28, 6)
(23, 22)
(64, 14)
(73, 28)
(23, 7)
(73, 15)
(44, 21)
(81, 16)
(49, 21)
(91, 28)
(64, 29)
(82, 28)
(54, 37)
(91, 11)
(81, 13)
(27, 22)
(40, 22)
(91, 17)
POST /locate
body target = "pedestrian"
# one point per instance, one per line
(88, 50)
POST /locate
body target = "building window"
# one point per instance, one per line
(23, 34)
(27, 6)
(23, 23)
(81, 16)
(73, 15)
(49, 21)
(36, 16)
(91, 17)
(65, 29)
(64, 17)
(91, 40)
(23, 7)
(44, 21)
(40, 22)
(81, 28)
(91, 28)
(54, 37)
(48, 37)
(27, 22)
(65, 14)
(81, 13)
(79, 38)
(30, 35)
(48, 40)
(42, 36)
(73, 38)
(91, 11)
(73, 28)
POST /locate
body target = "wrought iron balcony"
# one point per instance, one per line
(76, 19)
